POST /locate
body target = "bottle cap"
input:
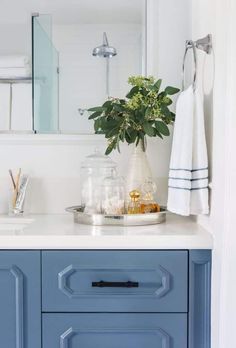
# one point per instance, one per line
(134, 195)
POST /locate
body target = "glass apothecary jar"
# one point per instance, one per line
(94, 170)
(113, 195)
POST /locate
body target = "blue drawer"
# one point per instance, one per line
(115, 330)
(114, 281)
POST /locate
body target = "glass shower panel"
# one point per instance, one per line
(45, 60)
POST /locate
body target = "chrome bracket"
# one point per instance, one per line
(205, 44)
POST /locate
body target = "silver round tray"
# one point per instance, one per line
(118, 220)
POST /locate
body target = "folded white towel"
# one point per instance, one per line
(21, 118)
(12, 73)
(4, 106)
(188, 176)
(14, 61)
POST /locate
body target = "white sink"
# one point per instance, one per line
(14, 223)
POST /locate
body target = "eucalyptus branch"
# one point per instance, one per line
(144, 112)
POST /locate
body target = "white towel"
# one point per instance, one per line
(4, 106)
(14, 61)
(21, 107)
(188, 176)
(11, 73)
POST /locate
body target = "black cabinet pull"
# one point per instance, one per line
(103, 284)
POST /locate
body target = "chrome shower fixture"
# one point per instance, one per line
(104, 50)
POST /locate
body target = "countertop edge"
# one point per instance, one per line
(104, 242)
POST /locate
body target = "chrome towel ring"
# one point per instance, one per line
(204, 44)
(190, 44)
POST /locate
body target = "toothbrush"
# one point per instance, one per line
(12, 179)
(18, 180)
(16, 188)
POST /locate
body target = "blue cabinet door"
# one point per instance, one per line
(114, 330)
(20, 317)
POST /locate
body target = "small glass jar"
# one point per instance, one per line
(113, 195)
(94, 170)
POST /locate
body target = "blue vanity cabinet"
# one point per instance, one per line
(105, 299)
(20, 307)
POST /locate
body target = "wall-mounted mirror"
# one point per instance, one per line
(79, 53)
(85, 53)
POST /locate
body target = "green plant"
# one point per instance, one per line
(144, 111)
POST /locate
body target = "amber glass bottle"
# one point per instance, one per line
(148, 204)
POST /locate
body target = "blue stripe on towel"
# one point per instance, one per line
(173, 178)
(188, 189)
(189, 170)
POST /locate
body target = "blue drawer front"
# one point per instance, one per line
(20, 305)
(134, 281)
(114, 330)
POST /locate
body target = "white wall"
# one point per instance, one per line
(228, 279)
(218, 18)
(53, 163)
(15, 38)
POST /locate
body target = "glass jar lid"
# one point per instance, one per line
(98, 160)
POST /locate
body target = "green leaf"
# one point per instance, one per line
(109, 150)
(96, 109)
(162, 128)
(148, 129)
(139, 116)
(132, 92)
(171, 90)
(165, 111)
(107, 104)
(111, 123)
(111, 147)
(118, 145)
(159, 134)
(133, 135)
(103, 122)
(162, 95)
(108, 109)
(94, 115)
(97, 125)
(148, 112)
(157, 85)
(122, 101)
(118, 108)
(127, 137)
(122, 136)
(143, 91)
(112, 132)
(172, 115)
(167, 101)
(137, 141)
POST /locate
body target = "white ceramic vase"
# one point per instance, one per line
(139, 169)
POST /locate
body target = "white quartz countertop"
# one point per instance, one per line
(60, 232)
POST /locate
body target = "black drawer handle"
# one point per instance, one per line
(103, 284)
